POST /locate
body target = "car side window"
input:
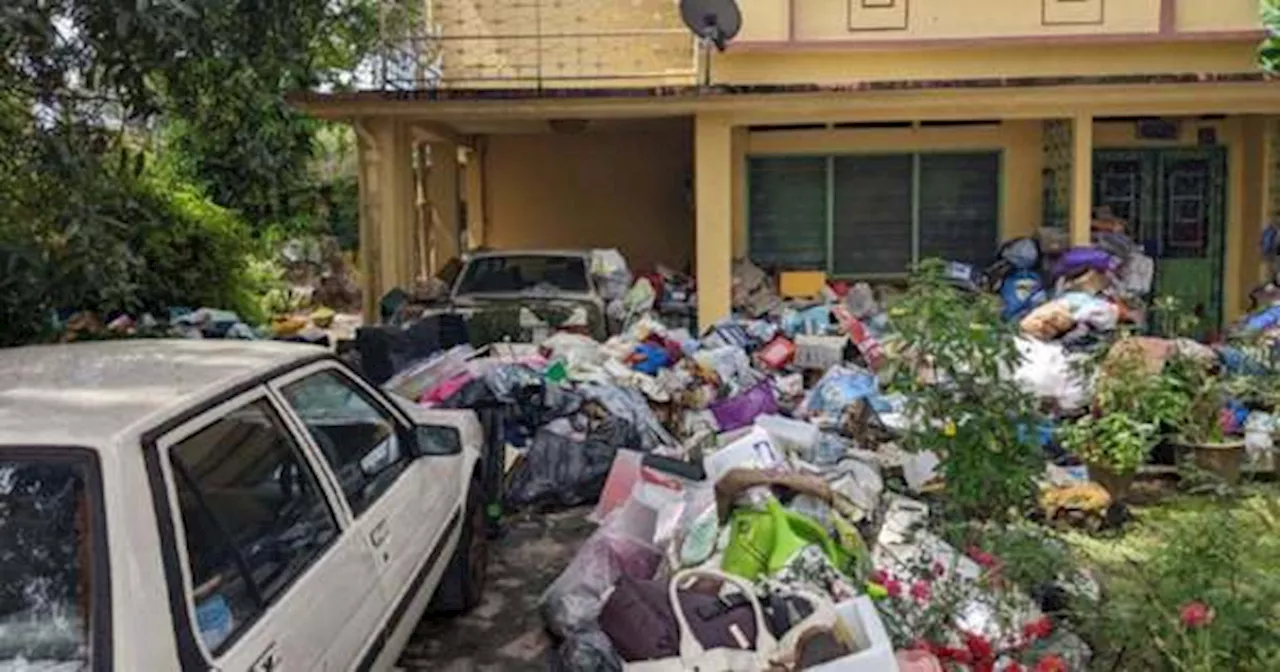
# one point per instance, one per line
(253, 516)
(358, 439)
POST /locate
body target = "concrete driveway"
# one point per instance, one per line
(505, 633)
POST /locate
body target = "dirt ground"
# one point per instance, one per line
(505, 633)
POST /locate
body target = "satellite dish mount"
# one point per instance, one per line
(715, 23)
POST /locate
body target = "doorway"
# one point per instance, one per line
(1175, 203)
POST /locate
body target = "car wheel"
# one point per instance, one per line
(462, 585)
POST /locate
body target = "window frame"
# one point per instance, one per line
(915, 154)
(100, 630)
(173, 534)
(404, 427)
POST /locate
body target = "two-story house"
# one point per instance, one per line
(851, 136)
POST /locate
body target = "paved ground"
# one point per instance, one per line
(505, 632)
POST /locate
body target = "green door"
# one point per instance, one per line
(1174, 200)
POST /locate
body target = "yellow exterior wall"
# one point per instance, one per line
(1199, 15)
(1048, 60)
(933, 19)
(899, 20)
(624, 189)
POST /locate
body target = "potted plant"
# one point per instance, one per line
(1113, 445)
(1200, 429)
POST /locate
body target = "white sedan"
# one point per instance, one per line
(228, 505)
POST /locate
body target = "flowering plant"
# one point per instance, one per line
(1203, 599)
(965, 612)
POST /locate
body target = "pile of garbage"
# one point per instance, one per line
(754, 508)
(314, 327)
(753, 457)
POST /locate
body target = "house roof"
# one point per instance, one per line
(86, 394)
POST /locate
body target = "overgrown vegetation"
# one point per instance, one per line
(148, 148)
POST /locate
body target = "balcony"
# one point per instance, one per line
(885, 23)
(477, 44)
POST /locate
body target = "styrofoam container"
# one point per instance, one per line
(789, 435)
(875, 651)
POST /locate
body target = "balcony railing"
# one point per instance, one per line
(540, 44)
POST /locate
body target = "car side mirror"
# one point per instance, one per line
(438, 440)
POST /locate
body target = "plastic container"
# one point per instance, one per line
(790, 436)
(753, 451)
(875, 651)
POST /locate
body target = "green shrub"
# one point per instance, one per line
(193, 253)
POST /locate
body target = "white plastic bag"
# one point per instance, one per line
(1048, 372)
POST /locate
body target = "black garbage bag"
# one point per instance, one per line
(591, 650)
(558, 472)
(616, 432)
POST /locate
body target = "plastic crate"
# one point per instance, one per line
(820, 352)
(875, 651)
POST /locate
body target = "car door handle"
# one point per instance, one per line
(379, 534)
(269, 661)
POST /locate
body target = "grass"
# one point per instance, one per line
(1151, 565)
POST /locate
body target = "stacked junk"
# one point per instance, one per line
(753, 457)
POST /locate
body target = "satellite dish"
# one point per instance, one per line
(714, 21)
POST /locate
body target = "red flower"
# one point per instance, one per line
(1015, 666)
(921, 591)
(979, 647)
(879, 576)
(939, 569)
(953, 654)
(1051, 663)
(1038, 629)
(893, 587)
(982, 557)
(1196, 614)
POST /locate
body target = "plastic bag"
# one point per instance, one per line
(559, 472)
(572, 603)
(1021, 253)
(613, 278)
(838, 389)
(589, 650)
(630, 405)
(861, 301)
(1045, 370)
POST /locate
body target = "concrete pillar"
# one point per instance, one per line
(442, 194)
(1081, 179)
(713, 177)
(474, 190)
(1022, 205)
(387, 200)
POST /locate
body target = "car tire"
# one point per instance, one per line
(462, 585)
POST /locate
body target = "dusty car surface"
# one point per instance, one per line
(224, 505)
(533, 280)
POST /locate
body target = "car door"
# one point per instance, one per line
(406, 507)
(273, 576)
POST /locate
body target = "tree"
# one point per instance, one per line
(89, 218)
(1269, 53)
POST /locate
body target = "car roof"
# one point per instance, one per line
(87, 394)
(584, 254)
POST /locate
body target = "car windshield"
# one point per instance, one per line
(45, 553)
(525, 274)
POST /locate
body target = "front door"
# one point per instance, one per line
(1174, 201)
